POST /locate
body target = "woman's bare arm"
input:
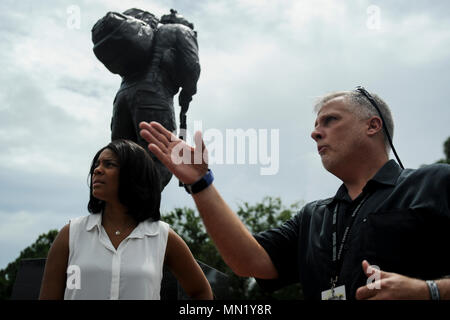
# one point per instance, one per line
(54, 280)
(185, 268)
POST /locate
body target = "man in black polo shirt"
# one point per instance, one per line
(396, 219)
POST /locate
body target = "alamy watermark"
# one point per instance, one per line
(235, 146)
(73, 277)
(73, 17)
(373, 17)
(373, 281)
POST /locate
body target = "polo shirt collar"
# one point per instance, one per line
(144, 228)
(386, 175)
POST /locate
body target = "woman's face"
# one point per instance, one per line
(105, 178)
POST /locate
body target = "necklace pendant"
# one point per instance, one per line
(117, 233)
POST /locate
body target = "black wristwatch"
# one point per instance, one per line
(201, 184)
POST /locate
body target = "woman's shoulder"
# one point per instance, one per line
(87, 220)
(80, 225)
(152, 228)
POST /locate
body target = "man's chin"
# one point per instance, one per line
(327, 164)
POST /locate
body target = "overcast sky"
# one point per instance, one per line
(264, 63)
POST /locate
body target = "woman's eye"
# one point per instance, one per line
(111, 164)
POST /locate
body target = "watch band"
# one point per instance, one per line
(434, 290)
(201, 184)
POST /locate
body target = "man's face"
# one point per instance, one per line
(339, 134)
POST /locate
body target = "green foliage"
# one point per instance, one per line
(38, 249)
(446, 152)
(268, 213)
(446, 160)
(447, 149)
(187, 224)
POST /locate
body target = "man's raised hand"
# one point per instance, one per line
(187, 163)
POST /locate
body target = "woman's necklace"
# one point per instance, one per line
(118, 232)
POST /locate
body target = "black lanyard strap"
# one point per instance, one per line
(337, 255)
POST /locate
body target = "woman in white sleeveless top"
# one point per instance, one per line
(118, 251)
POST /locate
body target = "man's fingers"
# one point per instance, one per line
(198, 140)
(150, 138)
(365, 293)
(158, 131)
(374, 282)
(169, 148)
(200, 147)
(159, 154)
(160, 137)
(366, 268)
(370, 270)
(144, 125)
(373, 270)
(163, 131)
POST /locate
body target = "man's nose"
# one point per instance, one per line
(316, 135)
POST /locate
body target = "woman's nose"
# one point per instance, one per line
(98, 170)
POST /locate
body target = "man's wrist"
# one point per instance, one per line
(444, 287)
(200, 184)
(433, 290)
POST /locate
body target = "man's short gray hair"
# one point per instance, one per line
(362, 107)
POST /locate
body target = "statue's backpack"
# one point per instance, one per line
(122, 43)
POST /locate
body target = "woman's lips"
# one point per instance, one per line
(97, 183)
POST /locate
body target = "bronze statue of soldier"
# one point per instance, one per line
(155, 58)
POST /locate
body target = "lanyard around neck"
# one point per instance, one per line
(337, 255)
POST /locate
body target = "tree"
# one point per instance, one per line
(446, 160)
(39, 249)
(446, 152)
(268, 213)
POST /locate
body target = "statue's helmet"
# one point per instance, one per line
(175, 17)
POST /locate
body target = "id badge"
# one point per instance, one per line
(337, 293)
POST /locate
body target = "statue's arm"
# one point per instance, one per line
(188, 62)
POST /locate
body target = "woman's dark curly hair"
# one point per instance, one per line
(139, 186)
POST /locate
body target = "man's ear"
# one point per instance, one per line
(374, 125)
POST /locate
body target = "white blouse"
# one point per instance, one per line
(96, 270)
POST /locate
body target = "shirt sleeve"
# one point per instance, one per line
(445, 195)
(431, 183)
(281, 244)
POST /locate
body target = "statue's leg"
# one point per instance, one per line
(147, 110)
(122, 125)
